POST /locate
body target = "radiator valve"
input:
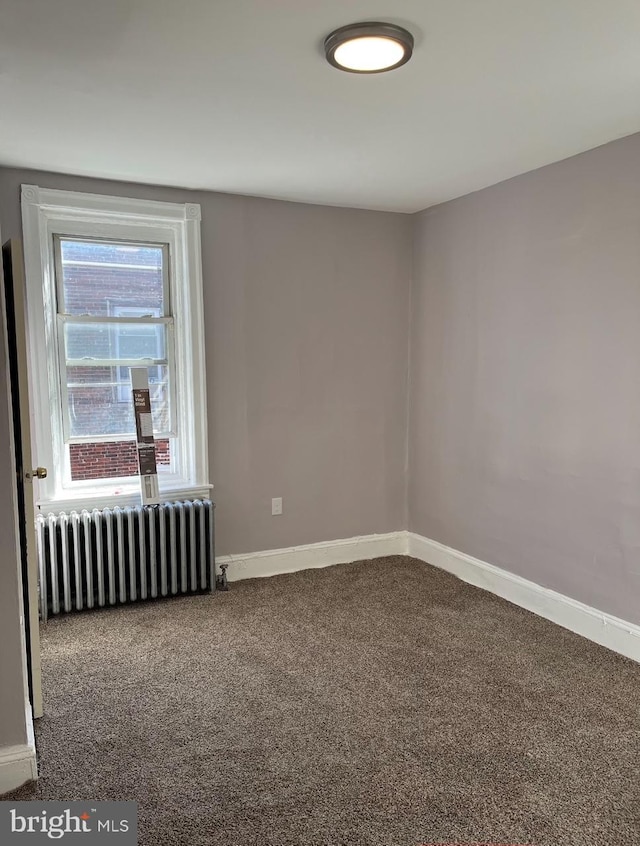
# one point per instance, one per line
(221, 580)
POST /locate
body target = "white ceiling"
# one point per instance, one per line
(235, 95)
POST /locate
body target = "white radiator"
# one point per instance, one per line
(91, 559)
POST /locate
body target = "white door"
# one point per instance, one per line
(14, 301)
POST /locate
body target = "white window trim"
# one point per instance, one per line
(46, 212)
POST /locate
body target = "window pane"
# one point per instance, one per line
(98, 277)
(115, 458)
(124, 341)
(99, 401)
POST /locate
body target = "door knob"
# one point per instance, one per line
(38, 473)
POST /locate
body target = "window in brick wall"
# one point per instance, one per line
(120, 287)
(114, 313)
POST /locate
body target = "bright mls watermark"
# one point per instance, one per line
(71, 822)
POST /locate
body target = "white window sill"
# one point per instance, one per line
(97, 499)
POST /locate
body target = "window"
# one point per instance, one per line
(113, 284)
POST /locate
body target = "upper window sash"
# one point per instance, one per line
(162, 245)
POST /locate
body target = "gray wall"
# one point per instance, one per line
(306, 319)
(525, 376)
(12, 690)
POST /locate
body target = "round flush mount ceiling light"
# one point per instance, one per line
(370, 47)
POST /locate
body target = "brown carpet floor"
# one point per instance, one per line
(380, 702)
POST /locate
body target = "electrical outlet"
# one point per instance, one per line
(276, 506)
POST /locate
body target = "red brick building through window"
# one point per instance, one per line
(114, 299)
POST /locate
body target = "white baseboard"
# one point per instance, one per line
(17, 766)
(598, 626)
(616, 634)
(272, 562)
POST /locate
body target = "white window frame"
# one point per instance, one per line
(48, 212)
